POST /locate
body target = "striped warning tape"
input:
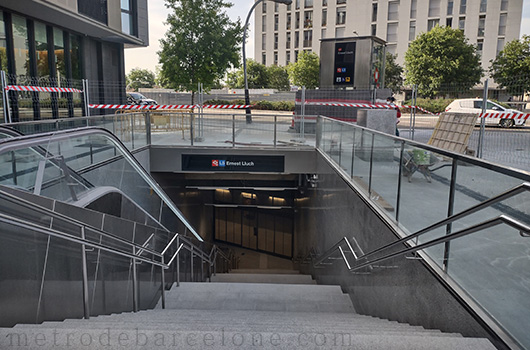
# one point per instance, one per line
(163, 107)
(39, 88)
(516, 116)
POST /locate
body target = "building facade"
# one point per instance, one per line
(282, 31)
(61, 42)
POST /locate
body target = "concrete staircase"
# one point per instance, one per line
(243, 311)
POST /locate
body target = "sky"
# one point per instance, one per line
(146, 58)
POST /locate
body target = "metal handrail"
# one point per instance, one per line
(27, 204)
(524, 229)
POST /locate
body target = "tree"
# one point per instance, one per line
(278, 78)
(200, 45)
(306, 71)
(393, 73)
(257, 76)
(441, 57)
(511, 68)
(138, 78)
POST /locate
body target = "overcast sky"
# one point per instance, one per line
(146, 58)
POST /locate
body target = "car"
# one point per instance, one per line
(136, 98)
(474, 105)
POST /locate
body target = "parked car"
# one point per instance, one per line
(136, 98)
(474, 105)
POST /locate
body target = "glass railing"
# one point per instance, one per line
(415, 185)
(86, 167)
(183, 128)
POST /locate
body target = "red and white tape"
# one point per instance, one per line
(164, 107)
(516, 116)
(39, 88)
(421, 109)
(357, 105)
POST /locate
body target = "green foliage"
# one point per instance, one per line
(511, 68)
(440, 57)
(437, 105)
(278, 78)
(258, 105)
(393, 73)
(200, 45)
(306, 71)
(259, 76)
(140, 78)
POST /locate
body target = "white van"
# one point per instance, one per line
(474, 105)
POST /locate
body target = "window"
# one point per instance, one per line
(296, 39)
(450, 5)
(480, 46)
(264, 23)
(374, 29)
(264, 41)
(288, 22)
(297, 4)
(504, 5)
(434, 8)
(339, 2)
(275, 58)
(276, 22)
(75, 56)
(288, 40)
(94, 9)
(275, 41)
(481, 24)
(324, 2)
(308, 3)
(297, 20)
(391, 32)
(412, 30)
(289, 7)
(264, 58)
(20, 44)
(341, 15)
(339, 32)
(502, 24)
(463, 5)
(308, 19)
(323, 33)
(58, 48)
(393, 8)
(128, 18)
(413, 5)
(308, 38)
(483, 5)
(462, 23)
(374, 12)
(500, 45)
(276, 6)
(449, 22)
(391, 49)
(432, 23)
(264, 7)
(296, 55)
(287, 57)
(324, 17)
(41, 50)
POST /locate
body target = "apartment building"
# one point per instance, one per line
(282, 31)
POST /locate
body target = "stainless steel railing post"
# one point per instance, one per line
(163, 282)
(86, 306)
(178, 264)
(191, 262)
(135, 283)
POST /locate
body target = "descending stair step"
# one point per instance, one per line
(150, 339)
(263, 278)
(266, 271)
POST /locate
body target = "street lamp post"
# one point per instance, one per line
(247, 97)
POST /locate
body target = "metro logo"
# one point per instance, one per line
(218, 163)
(215, 162)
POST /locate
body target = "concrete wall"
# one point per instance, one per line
(405, 291)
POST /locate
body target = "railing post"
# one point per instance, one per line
(398, 199)
(233, 130)
(275, 129)
(191, 254)
(86, 306)
(132, 130)
(340, 145)
(135, 283)
(178, 264)
(353, 152)
(202, 269)
(371, 166)
(5, 94)
(192, 126)
(163, 289)
(148, 127)
(450, 209)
